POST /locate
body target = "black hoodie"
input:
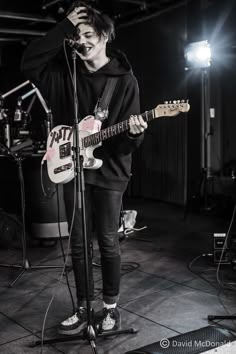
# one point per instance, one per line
(44, 63)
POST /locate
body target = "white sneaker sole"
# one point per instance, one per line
(70, 332)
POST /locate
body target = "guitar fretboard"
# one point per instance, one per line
(113, 130)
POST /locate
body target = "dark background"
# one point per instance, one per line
(153, 34)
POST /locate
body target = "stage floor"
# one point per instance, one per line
(167, 287)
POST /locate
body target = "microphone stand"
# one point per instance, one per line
(89, 332)
(80, 201)
(80, 189)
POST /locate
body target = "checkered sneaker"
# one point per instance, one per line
(109, 321)
(75, 323)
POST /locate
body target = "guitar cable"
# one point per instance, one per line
(42, 183)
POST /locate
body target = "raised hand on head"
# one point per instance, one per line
(78, 15)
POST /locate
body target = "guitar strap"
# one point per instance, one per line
(101, 108)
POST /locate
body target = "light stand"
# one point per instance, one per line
(15, 153)
(89, 332)
(205, 136)
(198, 56)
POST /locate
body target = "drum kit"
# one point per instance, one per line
(18, 141)
(18, 132)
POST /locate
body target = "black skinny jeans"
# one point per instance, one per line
(103, 208)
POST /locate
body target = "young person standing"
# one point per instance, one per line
(45, 64)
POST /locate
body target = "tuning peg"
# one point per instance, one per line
(174, 101)
(165, 102)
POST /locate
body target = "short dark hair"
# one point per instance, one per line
(101, 22)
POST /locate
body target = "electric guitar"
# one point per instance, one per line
(61, 140)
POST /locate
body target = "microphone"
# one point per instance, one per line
(18, 112)
(74, 44)
(7, 135)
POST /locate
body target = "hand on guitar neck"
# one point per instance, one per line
(137, 125)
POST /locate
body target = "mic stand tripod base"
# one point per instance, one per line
(86, 333)
(212, 318)
(27, 266)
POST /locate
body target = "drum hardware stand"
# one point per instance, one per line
(15, 153)
(35, 91)
(25, 262)
(89, 332)
(49, 121)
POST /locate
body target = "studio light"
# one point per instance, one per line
(197, 55)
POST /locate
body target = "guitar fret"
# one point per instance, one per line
(85, 141)
(96, 138)
(104, 134)
(82, 144)
(153, 113)
(100, 136)
(148, 115)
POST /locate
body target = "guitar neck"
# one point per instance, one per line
(113, 130)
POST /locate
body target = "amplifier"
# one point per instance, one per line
(219, 245)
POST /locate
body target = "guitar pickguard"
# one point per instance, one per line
(61, 150)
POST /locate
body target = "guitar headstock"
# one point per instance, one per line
(171, 109)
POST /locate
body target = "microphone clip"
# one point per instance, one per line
(18, 111)
(73, 44)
